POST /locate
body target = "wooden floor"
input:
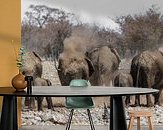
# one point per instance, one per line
(62, 127)
(80, 127)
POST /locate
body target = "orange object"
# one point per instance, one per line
(10, 30)
(18, 82)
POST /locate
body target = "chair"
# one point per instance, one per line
(79, 102)
(138, 114)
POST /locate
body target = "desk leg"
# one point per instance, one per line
(117, 114)
(9, 113)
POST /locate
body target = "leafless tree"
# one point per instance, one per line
(45, 28)
(142, 31)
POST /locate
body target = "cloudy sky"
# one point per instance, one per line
(97, 11)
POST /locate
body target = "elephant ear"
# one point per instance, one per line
(90, 66)
(116, 54)
(161, 52)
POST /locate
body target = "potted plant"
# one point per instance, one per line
(18, 81)
(20, 59)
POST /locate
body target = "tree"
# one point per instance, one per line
(40, 15)
(55, 38)
(142, 31)
(45, 27)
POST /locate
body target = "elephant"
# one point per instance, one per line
(73, 64)
(123, 79)
(43, 82)
(77, 68)
(33, 67)
(147, 72)
(105, 61)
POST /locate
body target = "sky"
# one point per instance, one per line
(101, 12)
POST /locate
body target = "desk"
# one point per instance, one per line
(117, 113)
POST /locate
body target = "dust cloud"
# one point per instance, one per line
(81, 40)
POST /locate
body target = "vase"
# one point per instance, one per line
(18, 82)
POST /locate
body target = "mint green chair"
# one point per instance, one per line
(79, 102)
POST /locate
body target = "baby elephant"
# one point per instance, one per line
(30, 101)
(123, 79)
(43, 82)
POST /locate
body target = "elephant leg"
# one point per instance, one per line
(39, 103)
(26, 102)
(30, 102)
(127, 100)
(156, 98)
(50, 103)
(137, 100)
(149, 100)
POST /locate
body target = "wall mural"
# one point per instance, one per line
(92, 40)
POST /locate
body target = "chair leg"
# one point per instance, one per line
(90, 119)
(138, 123)
(70, 119)
(150, 123)
(131, 123)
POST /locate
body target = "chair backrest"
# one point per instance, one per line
(79, 102)
(79, 83)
